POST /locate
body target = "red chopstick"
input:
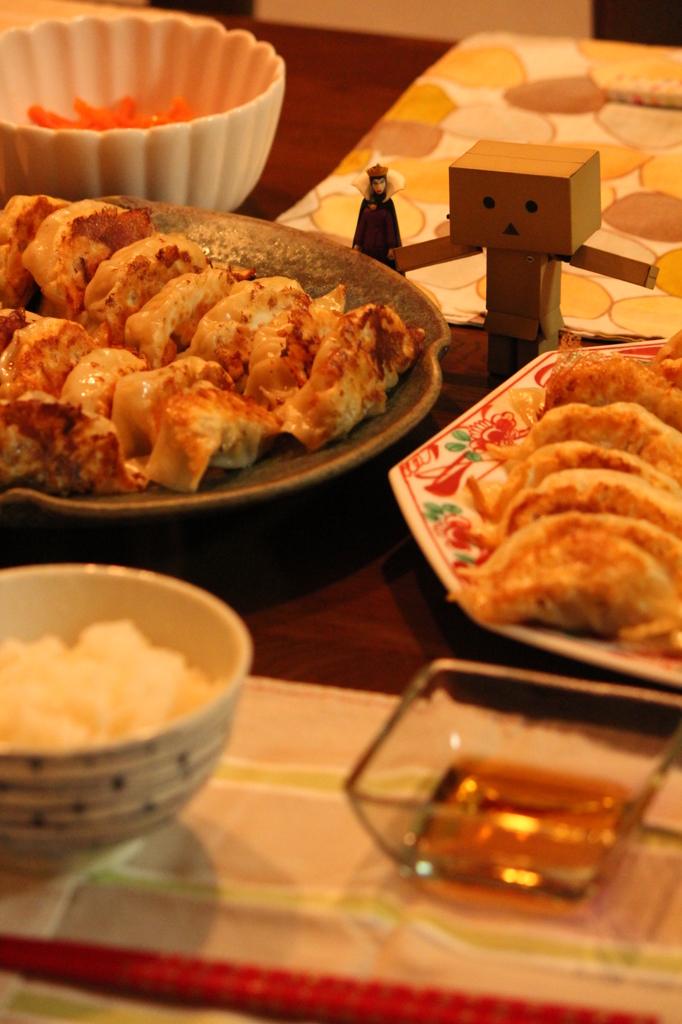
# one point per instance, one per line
(276, 993)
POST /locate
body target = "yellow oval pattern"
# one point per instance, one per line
(664, 174)
(427, 181)
(411, 220)
(658, 316)
(338, 215)
(580, 297)
(422, 102)
(615, 161)
(491, 67)
(670, 272)
(608, 194)
(354, 162)
(583, 298)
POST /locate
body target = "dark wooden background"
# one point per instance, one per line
(641, 21)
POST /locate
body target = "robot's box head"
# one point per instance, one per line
(507, 195)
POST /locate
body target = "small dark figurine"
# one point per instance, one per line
(377, 231)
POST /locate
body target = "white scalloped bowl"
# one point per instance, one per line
(56, 803)
(233, 83)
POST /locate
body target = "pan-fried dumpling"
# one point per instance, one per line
(55, 447)
(588, 490)
(671, 350)
(355, 366)
(492, 499)
(204, 426)
(41, 355)
(283, 352)
(623, 425)
(225, 334)
(19, 222)
(133, 275)
(334, 301)
(137, 395)
(584, 573)
(600, 378)
(71, 243)
(668, 361)
(92, 382)
(167, 322)
(12, 320)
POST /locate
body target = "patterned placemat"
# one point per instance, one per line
(546, 91)
(268, 865)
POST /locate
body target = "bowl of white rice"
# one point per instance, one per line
(117, 692)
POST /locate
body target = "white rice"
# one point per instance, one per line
(112, 683)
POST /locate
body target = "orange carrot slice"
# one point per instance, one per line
(122, 114)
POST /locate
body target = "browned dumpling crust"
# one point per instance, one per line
(492, 499)
(138, 394)
(127, 280)
(12, 320)
(283, 351)
(225, 334)
(583, 573)
(41, 355)
(69, 246)
(204, 426)
(19, 222)
(166, 324)
(57, 448)
(600, 378)
(668, 361)
(356, 365)
(625, 426)
(588, 490)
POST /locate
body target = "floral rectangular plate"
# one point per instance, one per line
(430, 487)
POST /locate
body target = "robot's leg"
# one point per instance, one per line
(527, 350)
(502, 354)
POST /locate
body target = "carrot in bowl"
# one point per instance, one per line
(122, 114)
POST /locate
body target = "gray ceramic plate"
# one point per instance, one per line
(319, 265)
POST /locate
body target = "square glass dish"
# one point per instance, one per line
(492, 778)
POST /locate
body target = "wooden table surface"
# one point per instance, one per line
(330, 582)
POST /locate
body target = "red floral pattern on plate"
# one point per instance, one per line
(500, 428)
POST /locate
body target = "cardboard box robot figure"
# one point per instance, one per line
(532, 207)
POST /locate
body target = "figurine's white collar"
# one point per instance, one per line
(394, 183)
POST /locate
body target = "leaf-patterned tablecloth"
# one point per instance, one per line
(545, 91)
(269, 865)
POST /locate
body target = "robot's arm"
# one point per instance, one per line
(425, 254)
(612, 265)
